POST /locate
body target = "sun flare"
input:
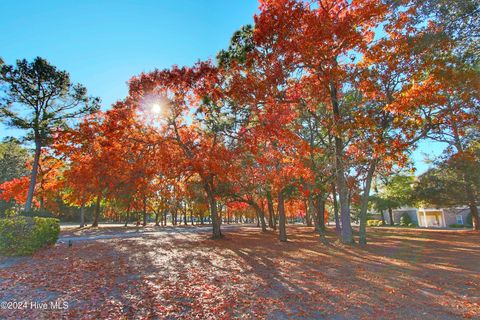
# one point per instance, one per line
(156, 108)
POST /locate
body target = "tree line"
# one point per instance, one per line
(299, 116)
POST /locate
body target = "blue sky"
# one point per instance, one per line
(104, 43)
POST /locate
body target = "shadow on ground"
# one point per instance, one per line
(182, 274)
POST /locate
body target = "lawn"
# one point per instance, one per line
(182, 274)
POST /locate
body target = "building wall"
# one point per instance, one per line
(397, 214)
(451, 215)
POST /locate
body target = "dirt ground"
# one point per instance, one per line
(182, 274)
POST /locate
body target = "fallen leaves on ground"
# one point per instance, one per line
(250, 275)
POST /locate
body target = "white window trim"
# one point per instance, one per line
(456, 219)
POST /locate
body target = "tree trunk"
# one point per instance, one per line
(174, 216)
(260, 215)
(96, 212)
(338, 227)
(383, 217)
(33, 176)
(390, 213)
(308, 215)
(275, 220)
(312, 209)
(475, 220)
(216, 231)
(364, 203)
(185, 222)
(320, 217)
(42, 203)
(128, 216)
(473, 206)
(144, 211)
(271, 211)
(281, 217)
(157, 223)
(82, 216)
(346, 232)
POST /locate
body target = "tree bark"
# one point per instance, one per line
(338, 227)
(346, 232)
(33, 176)
(96, 211)
(313, 210)
(82, 216)
(475, 220)
(144, 211)
(390, 213)
(271, 211)
(128, 216)
(364, 202)
(383, 217)
(260, 215)
(216, 231)
(308, 215)
(174, 216)
(185, 222)
(281, 217)
(320, 217)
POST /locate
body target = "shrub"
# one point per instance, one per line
(456, 225)
(38, 213)
(374, 223)
(412, 225)
(405, 220)
(24, 235)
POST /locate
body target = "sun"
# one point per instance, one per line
(156, 108)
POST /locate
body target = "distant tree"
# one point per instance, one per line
(448, 185)
(39, 98)
(12, 160)
(379, 204)
(395, 191)
(12, 165)
(456, 124)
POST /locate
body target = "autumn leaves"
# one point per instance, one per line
(301, 110)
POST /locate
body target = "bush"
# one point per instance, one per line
(405, 220)
(456, 225)
(412, 225)
(24, 235)
(374, 223)
(38, 213)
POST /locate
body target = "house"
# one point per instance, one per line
(432, 217)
